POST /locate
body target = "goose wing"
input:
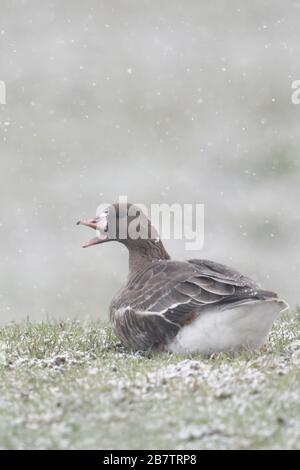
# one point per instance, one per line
(166, 295)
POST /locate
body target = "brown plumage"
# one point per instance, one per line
(162, 297)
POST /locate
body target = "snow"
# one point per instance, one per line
(168, 98)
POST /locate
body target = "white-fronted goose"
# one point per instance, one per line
(183, 307)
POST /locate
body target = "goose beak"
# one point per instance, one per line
(100, 225)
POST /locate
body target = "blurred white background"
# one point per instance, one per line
(174, 101)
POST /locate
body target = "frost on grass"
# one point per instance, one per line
(52, 345)
(72, 385)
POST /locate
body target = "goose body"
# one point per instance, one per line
(195, 306)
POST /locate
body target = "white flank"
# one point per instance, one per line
(246, 325)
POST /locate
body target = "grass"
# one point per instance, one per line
(72, 385)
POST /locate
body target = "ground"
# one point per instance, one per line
(72, 385)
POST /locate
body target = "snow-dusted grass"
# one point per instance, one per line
(72, 385)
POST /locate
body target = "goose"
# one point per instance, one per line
(184, 307)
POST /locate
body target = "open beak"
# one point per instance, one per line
(100, 225)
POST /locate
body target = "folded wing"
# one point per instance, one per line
(167, 295)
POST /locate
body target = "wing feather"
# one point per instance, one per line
(166, 295)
